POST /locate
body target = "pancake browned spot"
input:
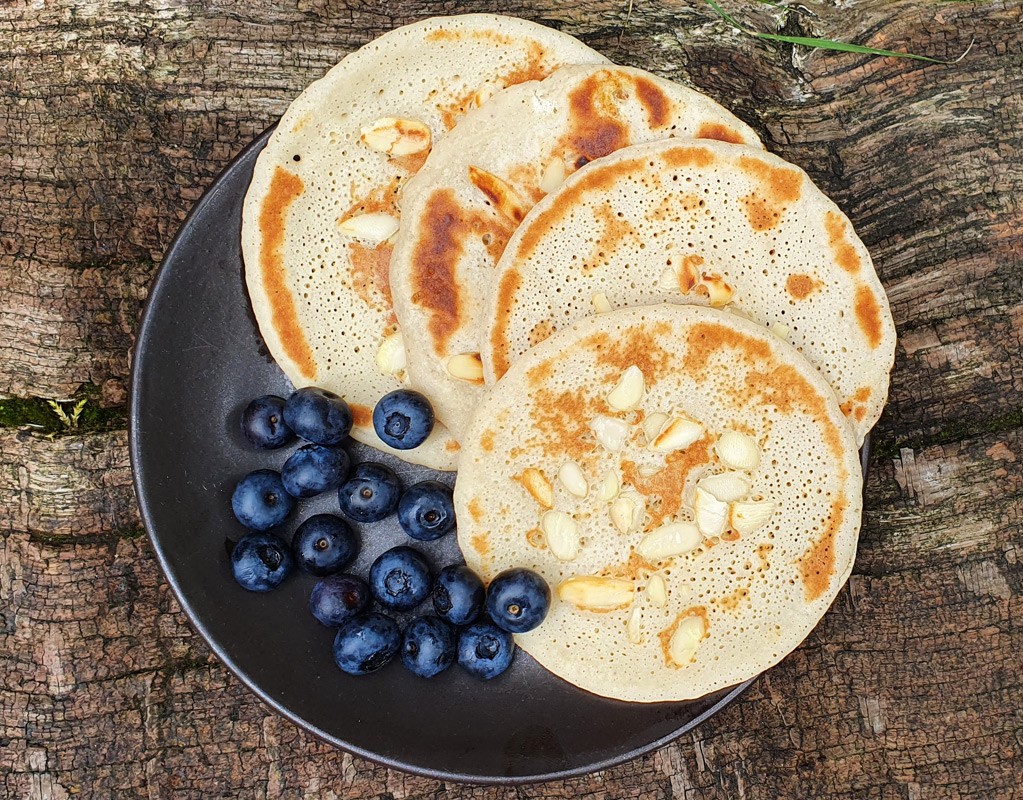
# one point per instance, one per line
(284, 188)
(480, 544)
(868, 315)
(722, 133)
(779, 188)
(381, 200)
(562, 421)
(801, 286)
(362, 416)
(688, 157)
(615, 230)
(665, 635)
(596, 129)
(707, 338)
(841, 248)
(666, 483)
(476, 509)
(508, 286)
(540, 374)
(447, 228)
(638, 346)
(371, 276)
(654, 101)
(818, 563)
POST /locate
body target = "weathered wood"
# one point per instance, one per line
(115, 117)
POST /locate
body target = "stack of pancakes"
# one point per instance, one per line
(652, 346)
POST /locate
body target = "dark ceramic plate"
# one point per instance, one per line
(198, 360)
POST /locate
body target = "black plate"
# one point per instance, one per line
(198, 360)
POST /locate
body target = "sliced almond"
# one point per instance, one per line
(373, 228)
(737, 450)
(594, 593)
(686, 639)
(715, 289)
(657, 590)
(553, 175)
(609, 487)
(634, 626)
(668, 279)
(562, 534)
(711, 513)
(689, 274)
(391, 354)
(539, 488)
(572, 478)
(746, 517)
(600, 303)
(652, 424)
(502, 196)
(726, 487)
(397, 136)
(610, 432)
(623, 513)
(779, 330)
(628, 391)
(677, 433)
(466, 367)
(668, 541)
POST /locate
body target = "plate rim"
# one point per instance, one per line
(157, 286)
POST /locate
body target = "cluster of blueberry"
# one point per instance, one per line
(472, 624)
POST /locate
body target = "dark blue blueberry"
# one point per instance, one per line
(400, 578)
(371, 493)
(518, 600)
(318, 416)
(484, 650)
(313, 469)
(338, 598)
(366, 642)
(403, 419)
(458, 594)
(260, 500)
(426, 511)
(324, 544)
(260, 561)
(428, 646)
(263, 422)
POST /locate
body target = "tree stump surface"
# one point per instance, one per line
(114, 117)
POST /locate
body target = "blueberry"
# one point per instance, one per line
(426, 511)
(313, 469)
(260, 500)
(458, 594)
(428, 646)
(338, 598)
(263, 422)
(518, 600)
(403, 419)
(484, 650)
(318, 416)
(260, 561)
(371, 493)
(400, 578)
(365, 643)
(323, 544)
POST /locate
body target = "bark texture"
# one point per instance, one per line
(113, 120)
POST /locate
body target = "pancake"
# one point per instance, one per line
(323, 200)
(708, 223)
(745, 505)
(460, 209)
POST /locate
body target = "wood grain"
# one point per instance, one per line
(113, 120)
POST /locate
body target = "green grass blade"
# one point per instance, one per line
(826, 44)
